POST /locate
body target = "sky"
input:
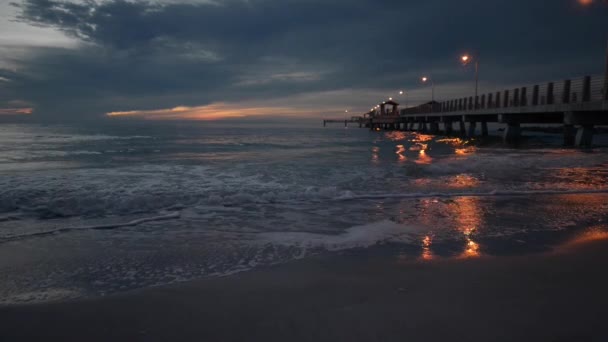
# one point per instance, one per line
(79, 60)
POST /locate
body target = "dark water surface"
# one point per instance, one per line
(88, 211)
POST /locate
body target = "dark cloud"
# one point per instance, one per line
(146, 55)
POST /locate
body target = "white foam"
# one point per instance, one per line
(41, 296)
(355, 237)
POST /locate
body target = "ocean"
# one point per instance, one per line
(92, 210)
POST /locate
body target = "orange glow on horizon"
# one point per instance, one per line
(16, 111)
(585, 2)
(214, 111)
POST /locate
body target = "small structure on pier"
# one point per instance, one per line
(394, 111)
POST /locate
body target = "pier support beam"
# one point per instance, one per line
(484, 129)
(449, 128)
(472, 128)
(584, 136)
(512, 133)
(569, 135)
(411, 128)
(434, 127)
(463, 128)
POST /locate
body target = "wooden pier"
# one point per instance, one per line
(355, 119)
(577, 104)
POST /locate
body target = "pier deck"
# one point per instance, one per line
(577, 104)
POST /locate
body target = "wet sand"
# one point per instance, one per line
(559, 296)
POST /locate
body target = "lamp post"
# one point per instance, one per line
(426, 79)
(606, 74)
(401, 92)
(466, 59)
(586, 3)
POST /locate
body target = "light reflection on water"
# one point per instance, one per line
(423, 158)
(462, 181)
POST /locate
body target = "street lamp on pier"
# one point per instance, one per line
(586, 3)
(426, 79)
(466, 59)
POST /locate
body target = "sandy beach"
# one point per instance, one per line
(558, 296)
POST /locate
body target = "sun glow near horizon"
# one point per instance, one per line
(214, 111)
(16, 111)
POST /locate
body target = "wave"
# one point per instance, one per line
(174, 215)
(495, 193)
(361, 236)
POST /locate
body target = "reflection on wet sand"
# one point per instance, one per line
(468, 220)
(427, 253)
(595, 233)
(466, 216)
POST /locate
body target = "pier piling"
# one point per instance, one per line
(584, 136)
(484, 129)
(512, 133)
(472, 129)
(569, 135)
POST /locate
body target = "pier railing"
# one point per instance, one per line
(585, 89)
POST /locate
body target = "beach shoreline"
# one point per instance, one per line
(556, 296)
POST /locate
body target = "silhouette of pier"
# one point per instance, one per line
(577, 104)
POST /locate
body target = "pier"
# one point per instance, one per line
(578, 104)
(355, 119)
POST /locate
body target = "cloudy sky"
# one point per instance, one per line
(65, 60)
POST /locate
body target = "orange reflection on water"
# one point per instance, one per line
(423, 158)
(451, 141)
(396, 136)
(419, 138)
(418, 147)
(581, 178)
(400, 153)
(465, 151)
(462, 181)
(375, 152)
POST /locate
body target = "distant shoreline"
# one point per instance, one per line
(558, 296)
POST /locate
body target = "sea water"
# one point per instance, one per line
(90, 210)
